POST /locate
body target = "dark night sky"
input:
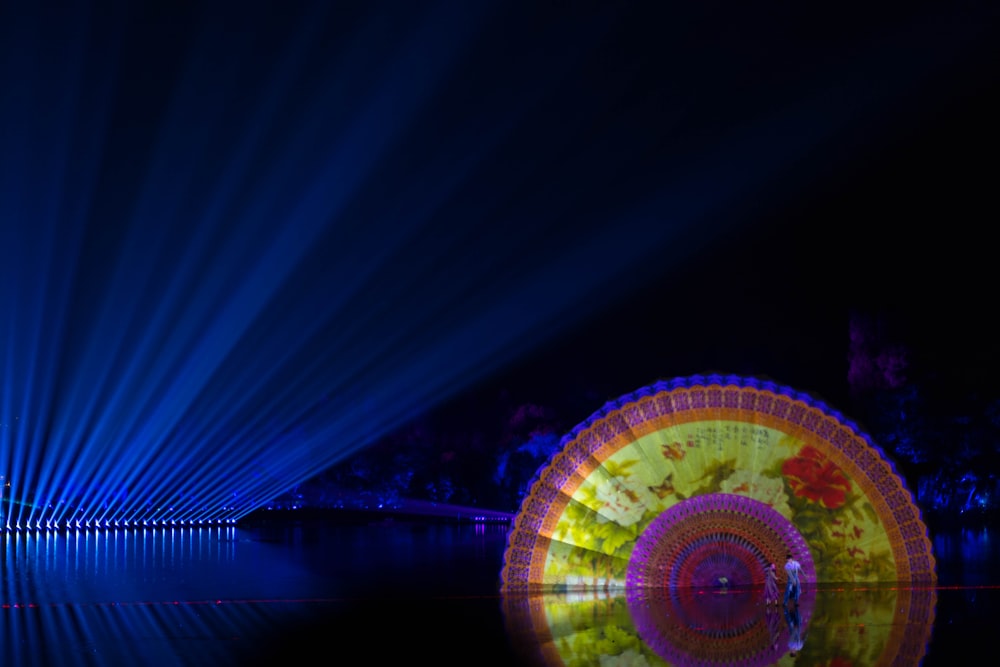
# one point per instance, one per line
(889, 214)
(765, 174)
(318, 220)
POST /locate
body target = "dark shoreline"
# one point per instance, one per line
(934, 520)
(355, 517)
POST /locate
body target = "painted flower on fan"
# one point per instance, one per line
(813, 476)
(768, 490)
(673, 451)
(622, 505)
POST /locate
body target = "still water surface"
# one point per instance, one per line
(283, 592)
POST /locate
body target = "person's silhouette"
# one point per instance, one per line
(770, 584)
(793, 583)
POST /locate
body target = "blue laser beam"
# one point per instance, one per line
(238, 249)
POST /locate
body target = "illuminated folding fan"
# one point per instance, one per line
(702, 481)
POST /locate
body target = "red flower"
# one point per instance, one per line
(813, 476)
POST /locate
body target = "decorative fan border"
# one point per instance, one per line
(697, 398)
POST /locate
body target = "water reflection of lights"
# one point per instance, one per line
(708, 627)
(110, 524)
(859, 625)
(200, 633)
(140, 597)
(74, 552)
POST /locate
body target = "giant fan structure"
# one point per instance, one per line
(703, 481)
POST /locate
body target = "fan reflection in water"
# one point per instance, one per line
(854, 626)
(251, 595)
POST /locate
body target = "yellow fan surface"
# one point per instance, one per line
(643, 461)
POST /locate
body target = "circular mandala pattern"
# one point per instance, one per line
(715, 541)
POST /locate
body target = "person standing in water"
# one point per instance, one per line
(771, 584)
(793, 584)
